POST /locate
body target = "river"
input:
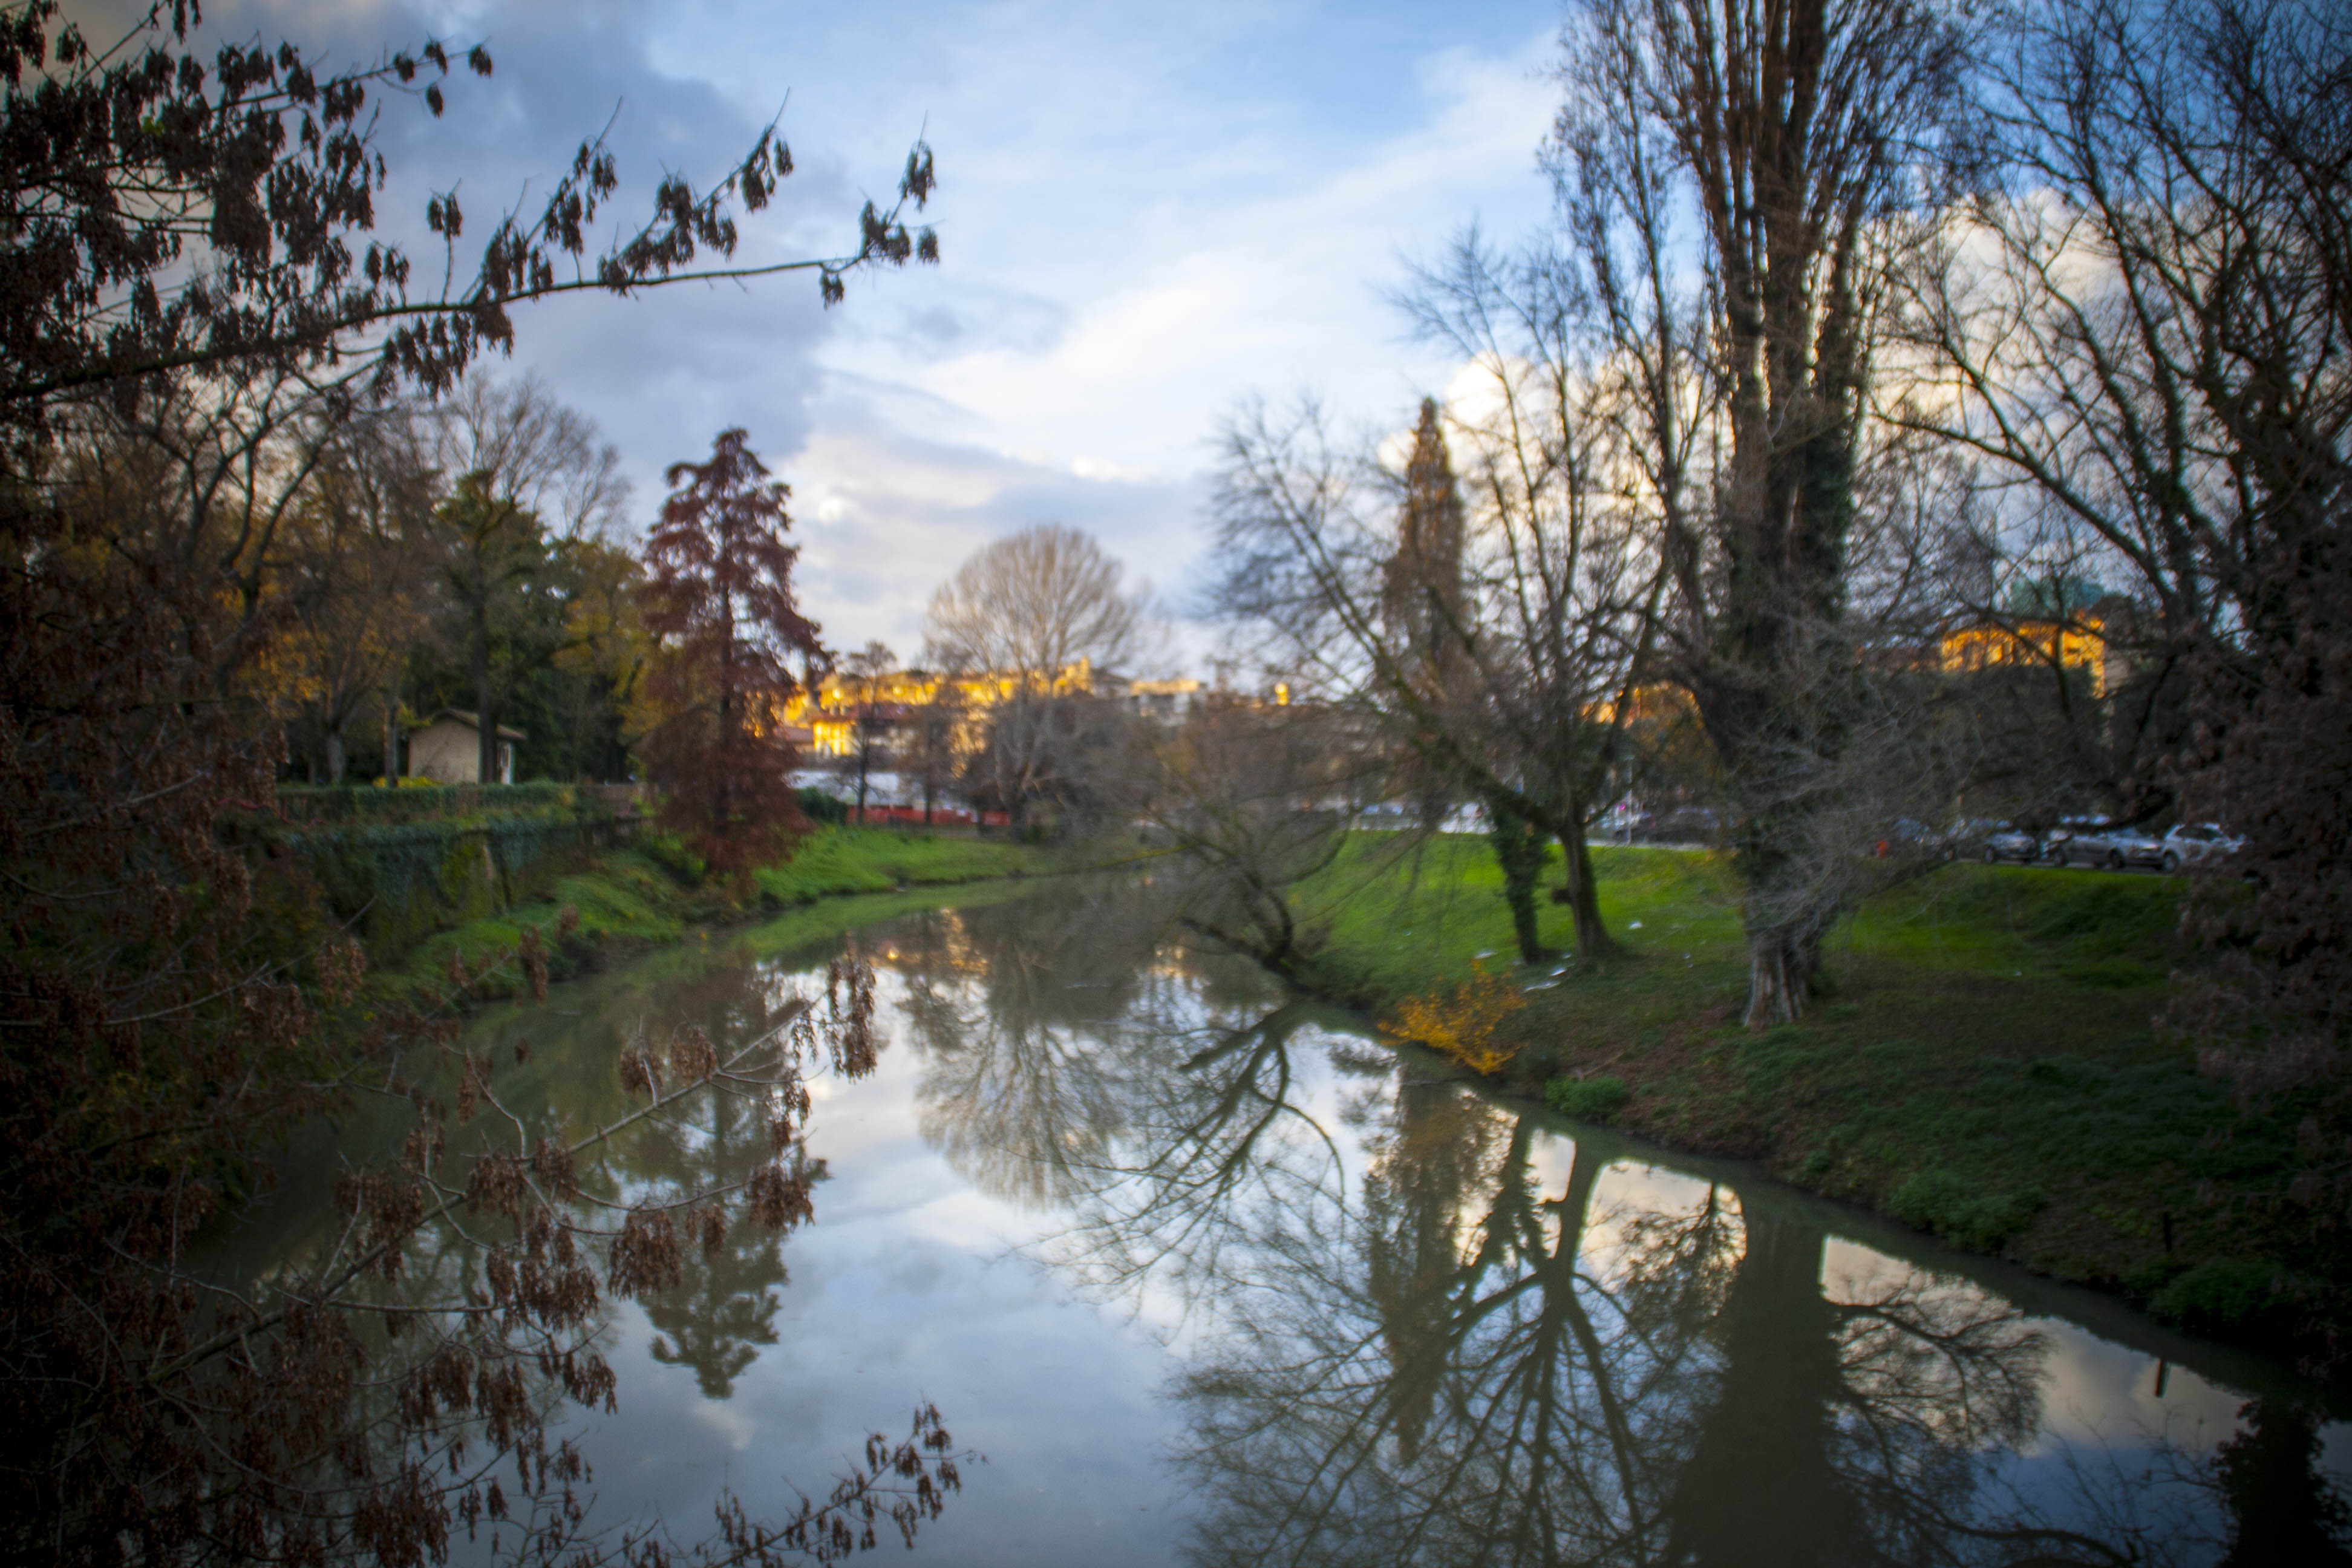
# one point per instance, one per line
(1202, 1273)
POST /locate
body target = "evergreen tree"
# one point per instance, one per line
(1423, 606)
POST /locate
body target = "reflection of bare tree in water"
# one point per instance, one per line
(1854, 1431)
(1442, 1380)
(1023, 1012)
(1463, 1363)
(1219, 1158)
(1474, 1370)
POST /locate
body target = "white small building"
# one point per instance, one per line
(1165, 702)
(448, 749)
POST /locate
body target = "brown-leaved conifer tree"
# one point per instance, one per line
(721, 599)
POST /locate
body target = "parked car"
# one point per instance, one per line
(1999, 841)
(2128, 847)
(1685, 825)
(2075, 841)
(2096, 841)
(2195, 844)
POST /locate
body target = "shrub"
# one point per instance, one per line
(822, 809)
(2218, 1294)
(1587, 1098)
(1962, 1212)
(1463, 1025)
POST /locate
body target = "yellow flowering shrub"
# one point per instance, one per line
(1461, 1026)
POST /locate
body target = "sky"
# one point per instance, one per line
(1145, 213)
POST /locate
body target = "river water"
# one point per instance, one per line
(1205, 1275)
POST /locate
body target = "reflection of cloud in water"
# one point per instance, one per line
(728, 1421)
(1625, 1194)
(963, 1219)
(1104, 1208)
(2097, 1392)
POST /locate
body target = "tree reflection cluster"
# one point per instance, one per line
(1423, 1328)
(699, 1091)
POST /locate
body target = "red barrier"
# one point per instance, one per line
(912, 816)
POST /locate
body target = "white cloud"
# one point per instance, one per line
(1144, 214)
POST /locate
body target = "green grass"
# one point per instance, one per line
(632, 900)
(837, 861)
(1984, 1061)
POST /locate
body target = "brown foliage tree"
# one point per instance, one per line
(183, 260)
(720, 597)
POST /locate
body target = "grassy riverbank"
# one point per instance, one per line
(650, 896)
(1985, 1063)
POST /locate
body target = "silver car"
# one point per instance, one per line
(2094, 841)
(2194, 844)
(1999, 841)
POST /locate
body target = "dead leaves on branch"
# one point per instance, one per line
(481, 1358)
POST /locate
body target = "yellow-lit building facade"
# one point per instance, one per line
(829, 713)
(2076, 644)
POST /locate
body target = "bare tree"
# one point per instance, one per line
(1035, 613)
(2140, 335)
(1034, 605)
(1258, 799)
(523, 469)
(1504, 665)
(1779, 146)
(867, 726)
(1566, 549)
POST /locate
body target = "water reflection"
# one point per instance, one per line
(1413, 1326)
(723, 1311)
(1212, 1278)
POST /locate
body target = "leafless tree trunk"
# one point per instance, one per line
(1785, 139)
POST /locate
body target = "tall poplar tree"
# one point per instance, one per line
(1425, 605)
(1784, 142)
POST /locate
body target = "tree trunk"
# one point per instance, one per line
(486, 720)
(390, 733)
(1581, 894)
(1518, 846)
(335, 756)
(1781, 963)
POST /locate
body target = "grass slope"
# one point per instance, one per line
(635, 899)
(1984, 1063)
